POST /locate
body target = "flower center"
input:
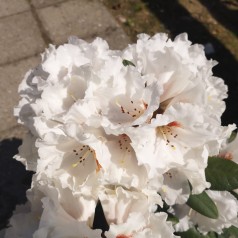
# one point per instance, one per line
(83, 153)
(134, 108)
(123, 142)
(168, 133)
(125, 147)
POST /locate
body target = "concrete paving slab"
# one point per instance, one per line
(44, 3)
(10, 77)
(20, 37)
(13, 7)
(18, 132)
(115, 37)
(83, 18)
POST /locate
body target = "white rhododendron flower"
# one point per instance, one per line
(182, 68)
(175, 188)
(67, 215)
(130, 131)
(137, 226)
(171, 136)
(118, 203)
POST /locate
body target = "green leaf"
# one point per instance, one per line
(211, 234)
(172, 219)
(232, 137)
(231, 232)
(127, 62)
(234, 194)
(222, 174)
(191, 233)
(203, 204)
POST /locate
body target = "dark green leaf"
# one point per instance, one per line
(127, 62)
(232, 137)
(231, 232)
(222, 174)
(203, 204)
(172, 218)
(211, 235)
(164, 208)
(234, 194)
(191, 233)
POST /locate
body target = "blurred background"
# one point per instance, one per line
(27, 27)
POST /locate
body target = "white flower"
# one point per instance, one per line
(72, 161)
(127, 135)
(51, 89)
(175, 188)
(130, 105)
(118, 203)
(169, 139)
(66, 227)
(188, 72)
(139, 226)
(121, 166)
(131, 214)
(55, 211)
(66, 214)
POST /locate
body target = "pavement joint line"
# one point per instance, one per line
(15, 14)
(51, 4)
(19, 60)
(43, 32)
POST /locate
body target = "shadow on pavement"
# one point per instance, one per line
(14, 180)
(225, 16)
(177, 20)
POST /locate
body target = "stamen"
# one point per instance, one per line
(167, 133)
(72, 96)
(145, 104)
(85, 153)
(98, 166)
(124, 143)
(133, 112)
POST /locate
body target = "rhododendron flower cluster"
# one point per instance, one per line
(132, 132)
